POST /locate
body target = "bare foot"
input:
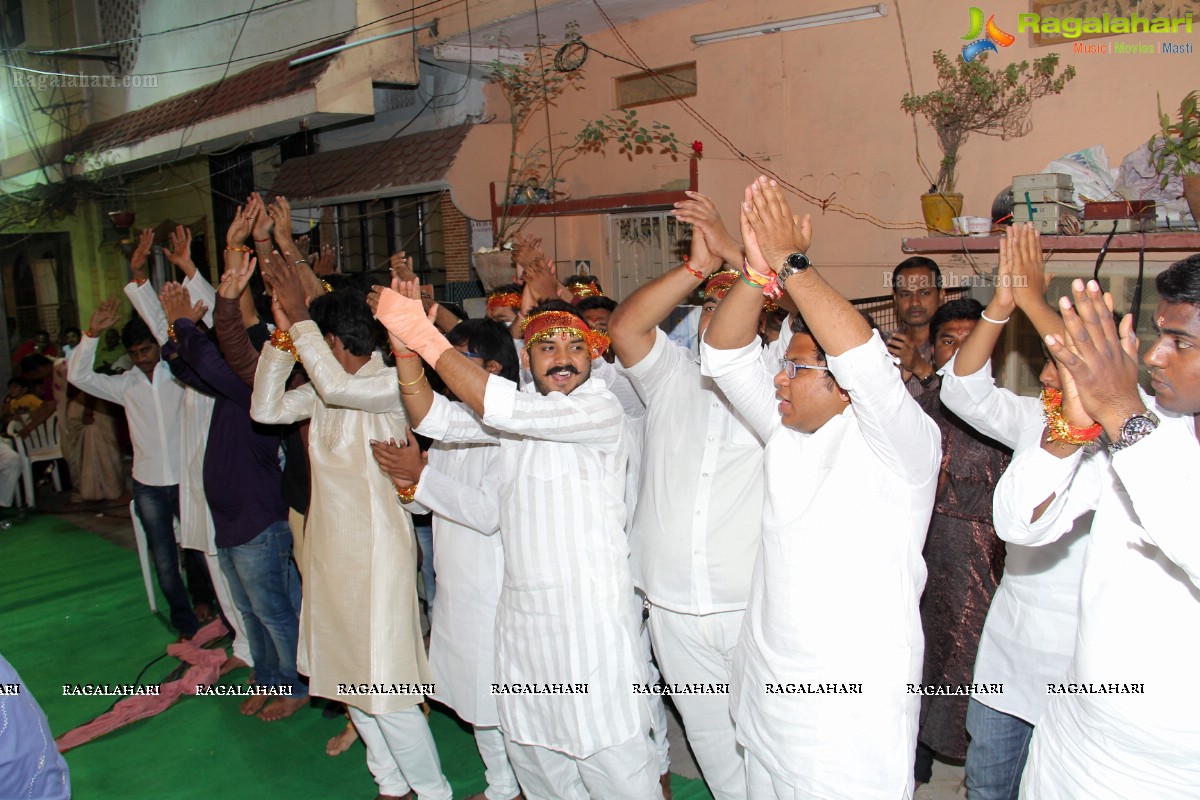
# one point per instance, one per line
(232, 663)
(282, 707)
(341, 743)
(253, 704)
(664, 781)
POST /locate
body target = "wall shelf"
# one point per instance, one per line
(1185, 241)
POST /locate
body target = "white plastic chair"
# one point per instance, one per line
(139, 535)
(42, 444)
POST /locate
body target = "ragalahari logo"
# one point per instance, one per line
(992, 36)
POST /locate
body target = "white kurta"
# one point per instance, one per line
(1029, 636)
(833, 598)
(359, 622)
(567, 612)
(459, 487)
(1129, 725)
(196, 528)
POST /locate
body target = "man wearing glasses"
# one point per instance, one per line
(830, 651)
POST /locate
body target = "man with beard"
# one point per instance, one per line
(567, 650)
(916, 294)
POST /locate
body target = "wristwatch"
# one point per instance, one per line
(1134, 429)
(794, 264)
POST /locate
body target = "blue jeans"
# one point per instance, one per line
(262, 579)
(428, 577)
(157, 507)
(997, 752)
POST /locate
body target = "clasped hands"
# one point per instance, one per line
(400, 310)
(1098, 362)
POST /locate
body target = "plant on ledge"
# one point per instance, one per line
(529, 87)
(971, 98)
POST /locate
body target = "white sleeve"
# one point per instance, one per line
(594, 418)
(977, 400)
(453, 423)
(145, 303)
(271, 403)
(378, 393)
(742, 379)
(200, 289)
(1160, 473)
(1034, 475)
(897, 430)
(475, 507)
(617, 381)
(81, 373)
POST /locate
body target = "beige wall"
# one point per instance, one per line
(821, 107)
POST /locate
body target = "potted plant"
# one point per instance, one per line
(1175, 150)
(533, 173)
(973, 98)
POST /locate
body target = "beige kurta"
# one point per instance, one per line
(360, 635)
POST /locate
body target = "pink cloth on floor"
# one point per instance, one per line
(204, 670)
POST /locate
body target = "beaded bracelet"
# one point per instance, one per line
(241, 248)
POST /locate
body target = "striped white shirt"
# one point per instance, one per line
(567, 617)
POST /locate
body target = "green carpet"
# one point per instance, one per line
(73, 610)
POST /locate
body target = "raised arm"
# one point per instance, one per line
(981, 341)
(1029, 280)
(80, 371)
(895, 427)
(699, 211)
(771, 233)
(271, 403)
(633, 323)
(415, 392)
(376, 393)
(229, 316)
(995, 412)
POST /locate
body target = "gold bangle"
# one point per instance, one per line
(171, 332)
(411, 383)
(407, 495)
(238, 249)
(326, 284)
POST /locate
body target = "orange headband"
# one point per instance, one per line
(502, 300)
(546, 324)
(582, 290)
(721, 282)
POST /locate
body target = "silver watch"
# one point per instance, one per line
(1134, 429)
(795, 263)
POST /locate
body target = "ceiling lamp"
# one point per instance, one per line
(814, 21)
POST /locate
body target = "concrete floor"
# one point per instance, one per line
(111, 521)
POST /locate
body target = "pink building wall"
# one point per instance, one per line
(821, 107)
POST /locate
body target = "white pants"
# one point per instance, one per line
(766, 785)
(401, 753)
(10, 473)
(241, 642)
(695, 648)
(658, 709)
(501, 780)
(627, 771)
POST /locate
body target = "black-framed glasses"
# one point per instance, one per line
(791, 368)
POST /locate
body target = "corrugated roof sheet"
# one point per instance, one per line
(255, 86)
(373, 167)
